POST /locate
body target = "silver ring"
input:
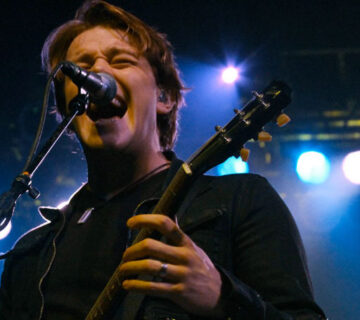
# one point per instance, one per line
(163, 270)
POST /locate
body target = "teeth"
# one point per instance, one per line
(118, 103)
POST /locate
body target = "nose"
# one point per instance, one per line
(101, 65)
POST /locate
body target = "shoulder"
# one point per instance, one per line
(244, 197)
(37, 234)
(227, 195)
(31, 237)
(249, 183)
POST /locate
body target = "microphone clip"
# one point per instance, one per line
(80, 103)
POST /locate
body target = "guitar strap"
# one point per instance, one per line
(133, 300)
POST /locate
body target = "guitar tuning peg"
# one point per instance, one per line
(282, 120)
(244, 154)
(264, 136)
(239, 112)
(218, 128)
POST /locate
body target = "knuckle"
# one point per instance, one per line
(148, 264)
(167, 222)
(146, 244)
(152, 286)
(176, 234)
(178, 288)
(189, 241)
(185, 255)
(185, 273)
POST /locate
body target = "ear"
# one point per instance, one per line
(164, 102)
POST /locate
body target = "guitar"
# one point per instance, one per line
(227, 141)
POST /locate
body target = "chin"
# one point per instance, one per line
(108, 143)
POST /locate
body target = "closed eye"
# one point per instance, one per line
(122, 63)
(84, 65)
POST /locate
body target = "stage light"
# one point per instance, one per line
(4, 233)
(351, 167)
(230, 75)
(313, 167)
(232, 165)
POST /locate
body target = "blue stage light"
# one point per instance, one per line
(230, 75)
(351, 167)
(232, 165)
(4, 233)
(313, 167)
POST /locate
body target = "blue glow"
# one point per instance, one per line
(232, 165)
(313, 167)
(4, 233)
(351, 167)
(230, 75)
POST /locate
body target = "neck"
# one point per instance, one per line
(109, 172)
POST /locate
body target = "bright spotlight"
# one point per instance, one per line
(313, 167)
(4, 233)
(232, 165)
(230, 75)
(351, 167)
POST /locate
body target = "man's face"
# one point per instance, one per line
(107, 50)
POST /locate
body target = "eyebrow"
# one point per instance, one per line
(111, 52)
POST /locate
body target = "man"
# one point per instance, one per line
(235, 251)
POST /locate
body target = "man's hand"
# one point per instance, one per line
(189, 278)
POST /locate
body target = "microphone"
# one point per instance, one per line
(100, 86)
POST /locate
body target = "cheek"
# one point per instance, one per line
(86, 131)
(79, 126)
(143, 99)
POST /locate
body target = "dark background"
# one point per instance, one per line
(313, 45)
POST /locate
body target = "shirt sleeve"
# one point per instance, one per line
(270, 279)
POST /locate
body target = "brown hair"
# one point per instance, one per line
(151, 44)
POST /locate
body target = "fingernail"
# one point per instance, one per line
(130, 223)
(124, 256)
(125, 284)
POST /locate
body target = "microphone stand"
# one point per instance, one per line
(23, 182)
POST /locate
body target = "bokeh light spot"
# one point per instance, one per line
(231, 166)
(313, 167)
(351, 167)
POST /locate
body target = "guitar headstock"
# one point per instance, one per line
(247, 124)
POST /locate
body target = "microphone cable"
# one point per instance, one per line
(44, 110)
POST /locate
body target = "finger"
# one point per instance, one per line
(158, 250)
(160, 223)
(161, 289)
(152, 267)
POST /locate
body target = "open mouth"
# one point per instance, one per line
(116, 108)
